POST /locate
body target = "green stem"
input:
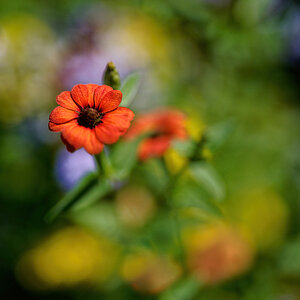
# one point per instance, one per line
(104, 165)
(99, 163)
(168, 197)
(173, 179)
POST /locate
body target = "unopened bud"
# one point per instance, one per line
(111, 76)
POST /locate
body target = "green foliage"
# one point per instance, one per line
(130, 88)
(289, 258)
(184, 289)
(95, 194)
(123, 158)
(75, 195)
(205, 175)
(100, 218)
(188, 194)
(219, 134)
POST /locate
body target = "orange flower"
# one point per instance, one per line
(164, 126)
(89, 117)
(217, 252)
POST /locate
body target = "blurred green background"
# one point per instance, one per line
(233, 65)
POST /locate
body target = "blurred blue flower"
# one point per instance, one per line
(292, 33)
(70, 168)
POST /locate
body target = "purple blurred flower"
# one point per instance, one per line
(93, 44)
(70, 168)
(291, 33)
(83, 68)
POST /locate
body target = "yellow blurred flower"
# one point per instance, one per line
(140, 41)
(135, 206)
(28, 59)
(216, 252)
(174, 160)
(262, 216)
(149, 272)
(206, 153)
(196, 214)
(68, 257)
(195, 126)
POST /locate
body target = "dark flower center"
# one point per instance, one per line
(156, 134)
(89, 117)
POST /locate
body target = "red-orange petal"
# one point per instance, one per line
(92, 145)
(121, 112)
(153, 147)
(110, 101)
(91, 91)
(107, 134)
(69, 147)
(59, 127)
(99, 94)
(119, 118)
(60, 115)
(65, 100)
(75, 135)
(82, 94)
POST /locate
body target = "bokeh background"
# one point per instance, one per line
(233, 66)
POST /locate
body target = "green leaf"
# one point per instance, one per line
(72, 197)
(189, 194)
(161, 232)
(124, 157)
(94, 194)
(185, 289)
(217, 135)
(130, 87)
(289, 258)
(100, 218)
(154, 175)
(184, 147)
(206, 176)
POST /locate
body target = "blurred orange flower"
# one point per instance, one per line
(217, 252)
(163, 127)
(148, 272)
(89, 116)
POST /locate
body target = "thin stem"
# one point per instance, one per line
(107, 163)
(99, 164)
(173, 179)
(168, 198)
(105, 166)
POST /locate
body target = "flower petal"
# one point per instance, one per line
(99, 94)
(83, 94)
(107, 134)
(59, 127)
(153, 147)
(60, 115)
(75, 135)
(65, 100)
(110, 101)
(119, 118)
(92, 145)
(91, 90)
(121, 112)
(69, 147)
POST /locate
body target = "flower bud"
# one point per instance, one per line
(111, 76)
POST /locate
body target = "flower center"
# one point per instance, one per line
(156, 134)
(89, 117)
